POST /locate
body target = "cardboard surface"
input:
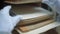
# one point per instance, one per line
(35, 26)
(31, 14)
(21, 1)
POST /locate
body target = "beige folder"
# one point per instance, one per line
(35, 26)
(21, 1)
(31, 14)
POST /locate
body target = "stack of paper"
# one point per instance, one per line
(31, 14)
(33, 17)
(35, 26)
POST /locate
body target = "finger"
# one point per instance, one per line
(6, 9)
(16, 19)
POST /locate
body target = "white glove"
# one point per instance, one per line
(7, 22)
(55, 5)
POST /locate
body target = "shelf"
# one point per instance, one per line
(42, 29)
(23, 2)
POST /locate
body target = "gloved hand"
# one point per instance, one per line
(7, 22)
(55, 5)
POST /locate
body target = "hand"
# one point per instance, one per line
(55, 5)
(7, 22)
